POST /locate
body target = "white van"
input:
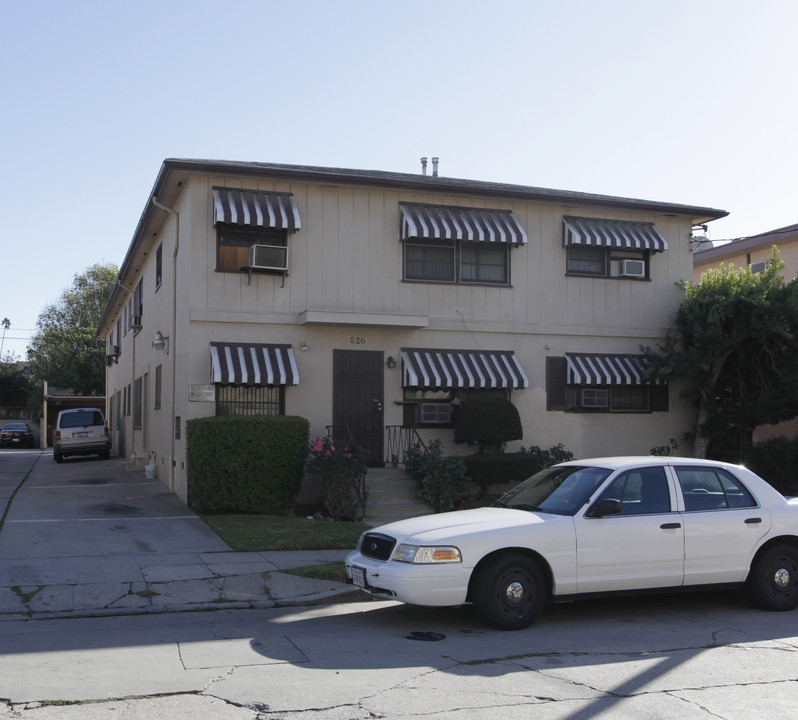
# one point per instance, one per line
(81, 431)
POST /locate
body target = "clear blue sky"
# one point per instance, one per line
(690, 101)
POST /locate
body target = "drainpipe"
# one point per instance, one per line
(172, 337)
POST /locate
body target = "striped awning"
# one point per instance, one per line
(441, 222)
(255, 208)
(606, 369)
(450, 369)
(612, 233)
(253, 364)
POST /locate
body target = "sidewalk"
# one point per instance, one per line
(86, 538)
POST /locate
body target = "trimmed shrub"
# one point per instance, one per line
(438, 478)
(487, 470)
(488, 421)
(248, 464)
(337, 470)
(555, 454)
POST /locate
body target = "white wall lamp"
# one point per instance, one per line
(161, 342)
(391, 362)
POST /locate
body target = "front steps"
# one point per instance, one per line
(391, 496)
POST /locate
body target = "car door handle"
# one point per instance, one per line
(670, 526)
(752, 521)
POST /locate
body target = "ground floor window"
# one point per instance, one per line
(438, 408)
(250, 400)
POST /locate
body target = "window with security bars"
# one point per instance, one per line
(249, 400)
(457, 262)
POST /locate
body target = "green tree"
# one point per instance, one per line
(734, 344)
(65, 350)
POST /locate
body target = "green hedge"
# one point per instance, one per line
(776, 461)
(245, 464)
(487, 470)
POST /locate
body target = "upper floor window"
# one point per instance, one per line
(610, 248)
(458, 245)
(158, 266)
(252, 229)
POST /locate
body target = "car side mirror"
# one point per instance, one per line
(608, 506)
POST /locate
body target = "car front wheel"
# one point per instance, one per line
(773, 580)
(509, 592)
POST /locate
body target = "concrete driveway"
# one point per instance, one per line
(86, 537)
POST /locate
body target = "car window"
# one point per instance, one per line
(81, 419)
(642, 491)
(560, 490)
(712, 489)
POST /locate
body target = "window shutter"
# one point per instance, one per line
(556, 369)
(659, 398)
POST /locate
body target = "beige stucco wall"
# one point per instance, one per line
(345, 282)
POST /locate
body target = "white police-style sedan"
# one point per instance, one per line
(622, 524)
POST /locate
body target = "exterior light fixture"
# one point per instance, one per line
(161, 342)
(391, 362)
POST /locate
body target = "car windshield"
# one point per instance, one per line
(560, 490)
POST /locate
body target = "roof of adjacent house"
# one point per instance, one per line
(744, 244)
(175, 171)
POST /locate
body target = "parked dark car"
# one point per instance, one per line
(16, 435)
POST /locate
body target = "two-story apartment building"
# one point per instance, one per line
(366, 301)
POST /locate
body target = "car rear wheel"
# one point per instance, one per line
(773, 580)
(58, 457)
(509, 592)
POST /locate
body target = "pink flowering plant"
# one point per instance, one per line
(338, 468)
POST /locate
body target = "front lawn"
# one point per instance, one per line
(260, 533)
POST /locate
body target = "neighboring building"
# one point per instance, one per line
(756, 251)
(369, 301)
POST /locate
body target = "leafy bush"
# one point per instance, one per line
(488, 421)
(438, 478)
(245, 464)
(487, 470)
(663, 450)
(776, 460)
(555, 454)
(337, 472)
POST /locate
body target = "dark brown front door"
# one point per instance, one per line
(358, 399)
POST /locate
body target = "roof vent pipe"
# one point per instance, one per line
(434, 167)
(423, 166)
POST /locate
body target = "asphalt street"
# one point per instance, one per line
(338, 657)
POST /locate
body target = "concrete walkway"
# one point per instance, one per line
(87, 538)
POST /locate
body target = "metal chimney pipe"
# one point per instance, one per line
(434, 167)
(423, 166)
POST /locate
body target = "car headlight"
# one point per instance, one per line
(427, 555)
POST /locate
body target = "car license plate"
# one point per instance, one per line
(359, 577)
(80, 434)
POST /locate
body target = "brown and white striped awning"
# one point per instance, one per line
(606, 369)
(451, 369)
(253, 364)
(255, 208)
(442, 222)
(612, 233)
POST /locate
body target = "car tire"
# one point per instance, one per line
(773, 580)
(58, 457)
(509, 591)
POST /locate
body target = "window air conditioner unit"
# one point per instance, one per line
(434, 413)
(134, 322)
(633, 268)
(760, 267)
(268, 257)
(113, 351)
(592, 398)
